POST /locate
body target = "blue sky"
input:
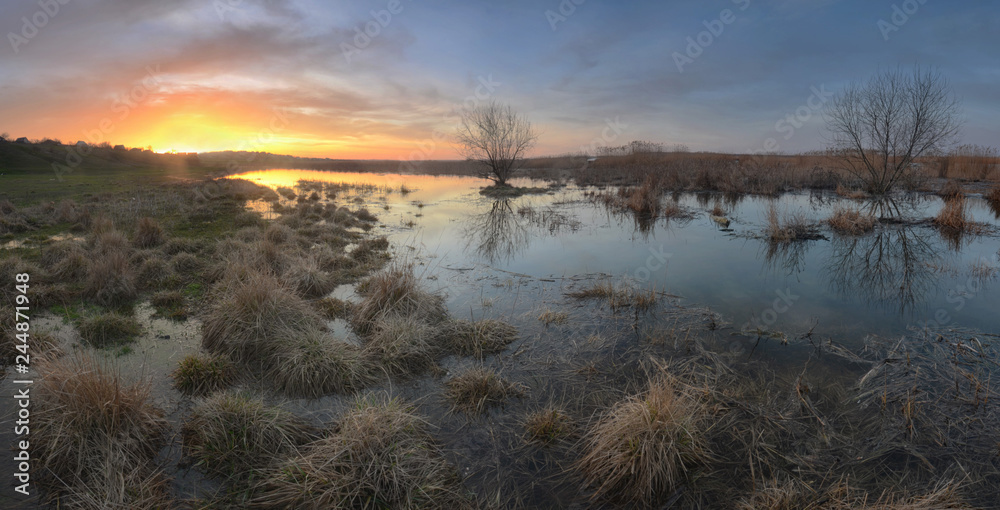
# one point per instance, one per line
(223, 68)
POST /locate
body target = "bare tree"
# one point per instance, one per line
(497, 137)
(879, 127)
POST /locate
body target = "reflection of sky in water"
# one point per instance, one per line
(476, 249)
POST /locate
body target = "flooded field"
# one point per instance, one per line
(551, 244)
(802, 371)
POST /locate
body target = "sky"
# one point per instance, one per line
(386, 79)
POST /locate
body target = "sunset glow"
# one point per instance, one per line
(303, 78)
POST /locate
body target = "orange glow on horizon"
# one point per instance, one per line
(213, 120)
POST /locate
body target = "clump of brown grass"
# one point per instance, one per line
(380, 456)
(95, 437)
(791, 227)
(313, 364)
(108, 328)
(152, 272)
(231, 434)
(404, 345)
(479, 338)
(308, 278)
(68, 260)
(278, 233)
(251, 314)
(618, 298)
(851, 221)
(395, 291)
(111, 279)
(952, 216)
(479, 389)
(548, 425)
(364, 214)
(642, 448)
(148, 233)
(550, 317)
(370, 249)
(201, 374)
(952, 190)
(993, 199)
(333, 308)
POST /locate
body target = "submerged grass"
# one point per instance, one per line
(479, 338)
(618, 298)
(479, 389)
(548, 425)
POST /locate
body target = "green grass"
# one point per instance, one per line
(108, 328)
(29, 177)
(201, 374)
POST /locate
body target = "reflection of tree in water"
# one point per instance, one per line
(891, 267)
(788, 256)
(497, 234)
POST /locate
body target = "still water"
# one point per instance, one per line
(478, 250)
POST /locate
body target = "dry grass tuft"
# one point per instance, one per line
(952, 216)
(550, 317)
(333, 308)
(380, 457)
(313, 364)
(642, 448)
(618, 298)
(148, 233)
(111, 279)
(548, 425)
(952, 190)
(395, 292)
(230, 434)
(251, 314)
(479, 389)
(993, 199)
(479, 338)
(308, 279)
(791, 227)
(201, 374)
(404, 345)
(851, 221)
(94, 437)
